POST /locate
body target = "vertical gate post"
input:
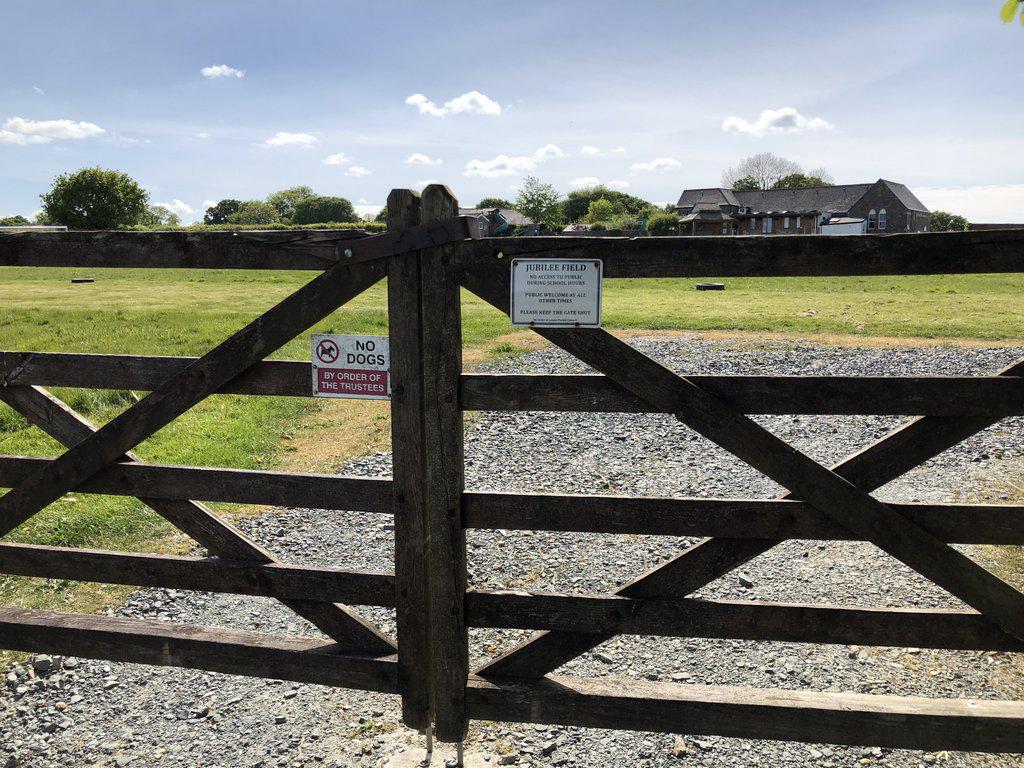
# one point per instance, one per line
(408, 461)
(444, 475)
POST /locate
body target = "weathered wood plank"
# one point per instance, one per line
(289, 249)
(66, 426)
(61, 369)
(408, 461)
(443, 436)
(752, 713)
(239, 486)
(776, 519)
(281, 580)
(738, 620)
(710, 559)
(232, 652)
(767, 256)
(895, 395)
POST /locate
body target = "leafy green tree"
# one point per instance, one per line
(1009, 10)
(943, 221)
(540, 202)
(158, 216)
(662, 223)
(95, 198)
(14, 221)
(577, 203)
(800, 181)
(254, 212)
(495, 202)
(745, 184)
(285, 201)
(382, 216)
(221, 212)
(323, 210)
(600, 210)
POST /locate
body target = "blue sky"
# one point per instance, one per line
(649, 96)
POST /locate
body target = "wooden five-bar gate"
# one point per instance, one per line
(426, 255)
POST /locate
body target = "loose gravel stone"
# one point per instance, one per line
(89, 713)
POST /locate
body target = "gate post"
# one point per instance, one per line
(444, 474)
(408, 461)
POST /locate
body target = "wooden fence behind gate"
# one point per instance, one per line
(427, 254)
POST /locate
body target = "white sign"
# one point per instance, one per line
(351, 366)
(554, 293)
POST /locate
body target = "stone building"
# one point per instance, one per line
(883, 206)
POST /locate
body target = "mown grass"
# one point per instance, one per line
(182, 312)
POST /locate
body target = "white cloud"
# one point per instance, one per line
(338, 158)
(505, 165)
(581, 182)
(285, 139)
(202, 135)
(619, 150)
(18, 130)
(658, 164)
(785, 120)
(178, 207)
(365, 209)
(357, 170)
(221, 70)
(419, 185)
(208, 204)
(38, 90)
(993, 203)
(619, 184)
(587, 149)
(472, 102)
(418, 158)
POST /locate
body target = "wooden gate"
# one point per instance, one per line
(427, 255)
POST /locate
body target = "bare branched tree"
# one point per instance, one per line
(765, 168)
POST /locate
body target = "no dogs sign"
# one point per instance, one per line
(351, 366)
(555, 293)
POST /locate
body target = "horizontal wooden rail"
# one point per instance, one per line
(753, 713)
(776, 519)
(239, 486)
(738, 620)
(766, 256)
(895, 395)
(898, 395)
(233, 652)
(281, 580)
(265, 249)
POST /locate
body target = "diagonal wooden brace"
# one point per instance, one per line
(830, 492)
(206, 375)
(351, 632)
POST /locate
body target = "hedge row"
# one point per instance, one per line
(365, 226)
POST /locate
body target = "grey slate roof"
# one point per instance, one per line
(905, 196)
(513, 217)
(837, 199)
(715, 195)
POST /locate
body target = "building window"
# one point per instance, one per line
(881, 219)
(872, 219)
(725, 229)
(785, 222)
(766, 225)
(797, 222)
(753, 224)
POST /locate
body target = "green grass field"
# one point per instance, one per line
(179, 312)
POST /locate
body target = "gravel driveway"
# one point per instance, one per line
(84, 713)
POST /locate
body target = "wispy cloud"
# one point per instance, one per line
(203, 135)
(418, 158)
(38, 90)
(18, 130)
(619, 184)
(221, 70)
(472, 102)
(207, 204)
(357, 170)
(182, 209)
(506, 165)
(582, 182)
(784, 120)
(588, 149)
(285, 139)
(658, 164)
(338, 158)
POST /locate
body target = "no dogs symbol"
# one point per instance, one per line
(327, 351)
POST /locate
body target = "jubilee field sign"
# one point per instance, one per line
(554, 293)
